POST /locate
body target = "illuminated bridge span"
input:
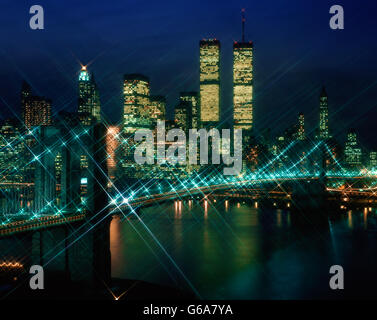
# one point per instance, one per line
(267, 187)
(34, 223)
(13, 224)
(81, 194)
(123, 203)
(280, 185)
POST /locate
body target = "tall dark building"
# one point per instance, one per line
(89, 107)
(12, 158)
(323, 129)
(301, 127)
(372, 160)
(157, 108)
(183, 115)
(193, 99)
(25, 93)
(352, 150)
(36, 111)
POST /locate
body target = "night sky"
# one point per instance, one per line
(295, 53)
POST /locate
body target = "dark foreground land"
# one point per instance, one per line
(61, 289)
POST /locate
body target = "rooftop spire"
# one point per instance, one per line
(84, 74)
(243, 24)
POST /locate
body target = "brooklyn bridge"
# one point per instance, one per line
(64, 225)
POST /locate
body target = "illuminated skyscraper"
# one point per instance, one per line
(137, 114)
(157, 108)
(209, 82)
(58, 165)
(193, 99)
(137, 105)
(352, 151)
(324, 132)
(243, 82)
(89, 107)
(37, 111)
(301, 127)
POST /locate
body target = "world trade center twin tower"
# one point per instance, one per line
(203, 110)
(242, 83)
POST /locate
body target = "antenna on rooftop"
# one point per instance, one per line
(243, 24)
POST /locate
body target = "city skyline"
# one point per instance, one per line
(142, 108)
(142, 111)
(285, 83)
(188, 150)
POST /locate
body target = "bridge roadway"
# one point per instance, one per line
(14, 225)
(244, 184)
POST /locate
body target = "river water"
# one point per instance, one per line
(236, 250)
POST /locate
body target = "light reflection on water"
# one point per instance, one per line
(233, 250)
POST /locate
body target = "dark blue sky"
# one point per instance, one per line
(295, 53)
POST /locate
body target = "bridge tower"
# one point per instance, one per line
(90, 247)
(323, 165)
(80, 250)
(44, 157)
(310, 195)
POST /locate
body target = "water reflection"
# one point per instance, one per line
(205, 209)
(234, 250)
(278, 218)
(350, 224)
(177, 209)
(117, 245)
(177, 226)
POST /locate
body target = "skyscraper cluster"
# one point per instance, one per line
(194, 109)
(201, 109)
